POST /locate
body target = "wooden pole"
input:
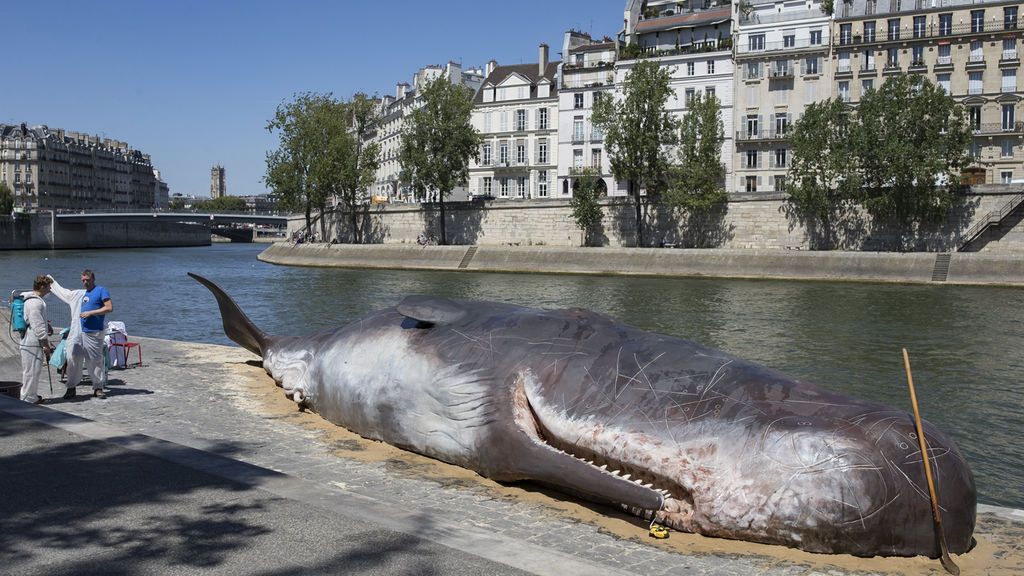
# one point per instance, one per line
(947, 562)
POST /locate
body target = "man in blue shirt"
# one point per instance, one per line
(94, 304)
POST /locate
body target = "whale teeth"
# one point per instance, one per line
(648, 485)
(604, 466)
(616, 472)
(626, 476)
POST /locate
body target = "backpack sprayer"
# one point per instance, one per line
(19, 325)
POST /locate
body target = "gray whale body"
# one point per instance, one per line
(703, 441)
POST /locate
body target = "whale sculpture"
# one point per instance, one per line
(699, 440)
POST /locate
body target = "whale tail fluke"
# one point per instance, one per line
(237, 325)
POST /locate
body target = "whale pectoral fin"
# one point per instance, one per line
(431, 310)
(549, 465)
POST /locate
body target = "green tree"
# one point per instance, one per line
(350, 161)
(823, 178)
(438, 141)
(638, 133)
(698, 180)
(298, 171)
(586, 210)
(6, 199)
(912, 140)
(223, 204)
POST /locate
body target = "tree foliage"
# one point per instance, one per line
(898, 154)
(437, 142)
(351, 161)
(222, 203)
(6, 199)
(912, 139)
(698, 181)
(823, 176)
(638, 133)
(586, 210)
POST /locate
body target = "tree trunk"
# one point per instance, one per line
(444, 232)
(309, 221)
(635, 191)
(357, 238)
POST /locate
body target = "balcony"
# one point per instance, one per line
(844, 70)
(975, 90)
(917, 65)
(777, 46)
(998, 128)
(976, 61)
(932, 30)
(597, 136)
(1009, 58)
(868, 69)
(892, 68)
(577, 138)
(780, 72)
(944, 62)
(762, 135)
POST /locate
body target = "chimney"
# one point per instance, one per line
(542, 65)
(455, 73)
(490, 67)
(400, 90)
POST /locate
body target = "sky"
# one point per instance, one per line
(194, 82)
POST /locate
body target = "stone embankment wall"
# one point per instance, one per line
(913, 267)
(761, 222)
(38, 231)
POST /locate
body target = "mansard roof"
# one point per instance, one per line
(691, 20)
(527, 71)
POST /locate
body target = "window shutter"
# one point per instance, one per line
(758, 180)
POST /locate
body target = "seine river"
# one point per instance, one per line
(965, 343)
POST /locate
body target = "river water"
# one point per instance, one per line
(965, 343)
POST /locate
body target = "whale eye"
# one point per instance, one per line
(412, 323)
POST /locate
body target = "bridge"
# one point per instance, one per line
(209, 218)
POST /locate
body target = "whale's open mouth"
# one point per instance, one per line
(608, 475)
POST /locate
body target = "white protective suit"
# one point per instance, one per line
(32, 346)
(81, 346)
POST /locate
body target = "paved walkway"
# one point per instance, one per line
(204, 409)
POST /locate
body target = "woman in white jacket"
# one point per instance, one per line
(34, 345)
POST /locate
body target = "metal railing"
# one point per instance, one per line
(932, 30)
(998, 128)
(762, 47)
(992, 218)
(768, 134)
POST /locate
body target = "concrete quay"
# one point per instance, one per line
(912, 267)
(197, 464)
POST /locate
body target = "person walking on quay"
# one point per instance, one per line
(84, 343)
(34, 344)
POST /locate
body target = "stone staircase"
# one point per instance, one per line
(941, 270)
(993, 218)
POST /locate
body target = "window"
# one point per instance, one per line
(917, 56)
(688, 97)
(869, 31)
(751, 159)
(485, 155)
(919, 22)
(752, 125)
(1008, 116)
(542, 151)
(868, 62)
(944, 57)
(974, 82)
(1010, 18)
(1006, 176)
(595, 158)
(503, 118)
(578, 59)
(542, 119)
(1009, 49)
(974, 117)
(577, 100)
(1006, 148)
(755, 43)
(577, 130)
(977, 53)
(753, 70)
(894, 29)
(1010, 80)
(503, 153)
(844, 62)
(815, 37)
(504, 187)
(542, 183)
(751, 182)
(780, 183)
(711, 66)
(709, 92)
(577, 158)
(487, 121)
(780, 158)
(789, 41)
(486, 188)
(17, 178)
(977, 20)
(845, 33)
(844, 91)
(690, 69)
(781, 123)
(811, 66)
(892, 58)
(866, 85)
(521, 186)
(520, 120)
(521, 153)
(945, 24)
(943, 81)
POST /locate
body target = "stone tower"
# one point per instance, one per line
(218, 185)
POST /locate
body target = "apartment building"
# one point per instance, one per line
(693, 40)
(516, 112)
(392, 114)
(587, 73)
(51, 169)
(968, 47)
(783, 64)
